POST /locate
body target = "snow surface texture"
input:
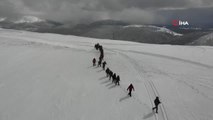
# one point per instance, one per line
(50, 77)
(157, 29)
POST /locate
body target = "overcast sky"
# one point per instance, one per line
(136, 11)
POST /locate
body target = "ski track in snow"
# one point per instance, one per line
(153, 90)
(149, 85)
(87, 44)
(168, 57)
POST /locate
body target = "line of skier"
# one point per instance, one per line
(112, 76)
(100, 48)
(116, 78)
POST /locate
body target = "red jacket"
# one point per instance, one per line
(130, 88)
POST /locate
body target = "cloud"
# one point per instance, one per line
(8, 9)
(138, 11)
(195, 16)
(136, 15)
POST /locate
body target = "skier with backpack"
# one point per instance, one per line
(110, 74)
(157, 102)
(130, 88)
(107, 72)
(100, 58)
(94, 61)
(103, 65)
(100, 48)
(117, 82)
(99, 63)
(114, 78)
(97, 46)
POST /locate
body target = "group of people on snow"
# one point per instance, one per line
(100, 48)
(116, 78)
(111, 75)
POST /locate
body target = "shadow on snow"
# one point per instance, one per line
(148, 115)
(124, 98)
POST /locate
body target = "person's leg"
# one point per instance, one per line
(156, 109)
(130, 93)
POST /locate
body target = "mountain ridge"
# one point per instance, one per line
(111, 29)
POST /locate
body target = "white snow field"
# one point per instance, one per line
(50, 77)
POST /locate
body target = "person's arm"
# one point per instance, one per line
(159, 102)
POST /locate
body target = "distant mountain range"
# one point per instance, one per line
(29, 23)
(116, 30)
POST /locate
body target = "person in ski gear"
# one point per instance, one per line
(99, 63)
(101, 51)
(157, 102)
(97, 46)
(110, 74)
(117, 82)
(100, 58)
(104, 64)
(114, 78)
(100, 48)
(94, 61)
(130, 88)
(107, 72)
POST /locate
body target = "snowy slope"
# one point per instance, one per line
(50, 77)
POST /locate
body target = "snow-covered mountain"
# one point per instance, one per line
(51, 77)
(155, 28)
(29, 23)
(118, 30)
(204, 40)
(29, 19)
(23, 19)
(109, 29)
(3, 19)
